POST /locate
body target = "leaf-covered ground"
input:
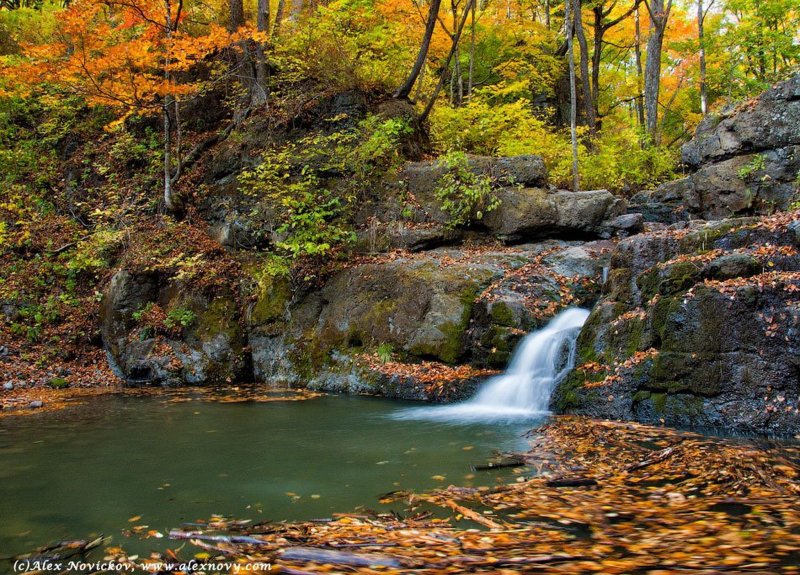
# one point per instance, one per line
(596, 497)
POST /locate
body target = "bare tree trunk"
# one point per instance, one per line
(178, 141)
(259, 95)
(456, 37)
(433, 12)
(471, 53)
(659, 14)
(597, 55)
(262, 16)
(457, 81)
(169, 200)
(246, 70)
(547, 13)
(573, 104)
(237, 14)
(702, 45)
(588, 100)
(637, 49)
(276, 29)
(420, 83)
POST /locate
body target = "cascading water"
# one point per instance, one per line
(541, 360)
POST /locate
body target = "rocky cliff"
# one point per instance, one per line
(742, 161)
(698, 322)
(420, 290)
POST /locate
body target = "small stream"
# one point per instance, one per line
(91, 468)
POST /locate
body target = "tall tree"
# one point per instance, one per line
(588, 99)
(659, 16)
(701, 41)
(279, 14)
(259, 94)
(602, 24)
(237, 14)
(569, 23)
(471, 51)
(430, 25)
(637, 53)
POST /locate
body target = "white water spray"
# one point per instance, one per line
(523, 391)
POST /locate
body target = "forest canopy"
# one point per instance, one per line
(491, 76)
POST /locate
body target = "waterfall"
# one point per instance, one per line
(541, 360)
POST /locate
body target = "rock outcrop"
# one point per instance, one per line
(447, 306)
(743, 161)
(698, 325)
(528, 209)
(160, 332)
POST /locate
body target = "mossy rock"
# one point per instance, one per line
(58, 383)
(500, 341)
(272, 301)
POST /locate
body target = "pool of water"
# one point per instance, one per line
(91, 468)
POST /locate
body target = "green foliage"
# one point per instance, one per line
(179, 317)
(617, 161)
(94, 253)
(135, 150)
(759, 162)
(34, 317)
(465, 195)
(345, 45)
(311, 212)
(385, 352)
(58, 383)
(152, 319)
(140, 314)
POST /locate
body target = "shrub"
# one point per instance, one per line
(312, 219)
(179, 317)
(465, 195)
(616, 160)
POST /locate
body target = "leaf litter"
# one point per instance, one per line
(596, 497)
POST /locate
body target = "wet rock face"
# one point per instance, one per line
(208, 349)
(741, 162)
(698, 326)
(447, 305)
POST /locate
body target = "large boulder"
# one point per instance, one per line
(527, 213)
(769, 122)
(158, 331)
(698, 325)
(742, 161)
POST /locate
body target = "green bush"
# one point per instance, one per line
(179, 317)
(616, 160)
(385, 352)
(312, 219)
(465, 195)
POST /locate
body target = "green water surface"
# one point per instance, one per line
(88, 469)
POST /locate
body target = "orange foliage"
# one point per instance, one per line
(123, 54)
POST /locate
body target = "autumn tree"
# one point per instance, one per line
(430, 25)
(126, 55)
(659, 11)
